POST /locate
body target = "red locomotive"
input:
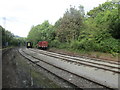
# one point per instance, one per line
(42, 45)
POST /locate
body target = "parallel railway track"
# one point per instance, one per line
(113, 67)
(35, 61)
(93, 59)
(75, 60)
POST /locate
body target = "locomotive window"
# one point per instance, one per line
(28, 44)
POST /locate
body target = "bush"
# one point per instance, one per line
(75, 45)
(54, 43)
(110, 45)
(64, 45)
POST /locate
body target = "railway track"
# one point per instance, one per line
(32, 57)
(38, 61)
(109, 66)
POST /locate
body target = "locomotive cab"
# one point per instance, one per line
(29, 44)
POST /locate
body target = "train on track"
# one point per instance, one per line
(29, 44)
(40, 45)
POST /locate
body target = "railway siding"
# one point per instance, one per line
(100, 64)
(77, 59)
(103, 77)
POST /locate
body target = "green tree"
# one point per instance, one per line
(8, 39)
(41, 32)
(107, 15)
(68, 27)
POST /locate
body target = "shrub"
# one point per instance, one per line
(110, 45)
(64, 45)
(54, 43)
(75, 45)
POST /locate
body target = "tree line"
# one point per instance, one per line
(9, 39)
(96, 31)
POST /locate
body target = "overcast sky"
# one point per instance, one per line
(21, 15)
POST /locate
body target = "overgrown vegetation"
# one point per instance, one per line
(96, 31)
(8, 39)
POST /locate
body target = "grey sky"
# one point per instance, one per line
(22, 14)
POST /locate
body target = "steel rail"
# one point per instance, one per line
(35, 62)
(87, 63)
(60, 69)
(79, 59)
(91, 58)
